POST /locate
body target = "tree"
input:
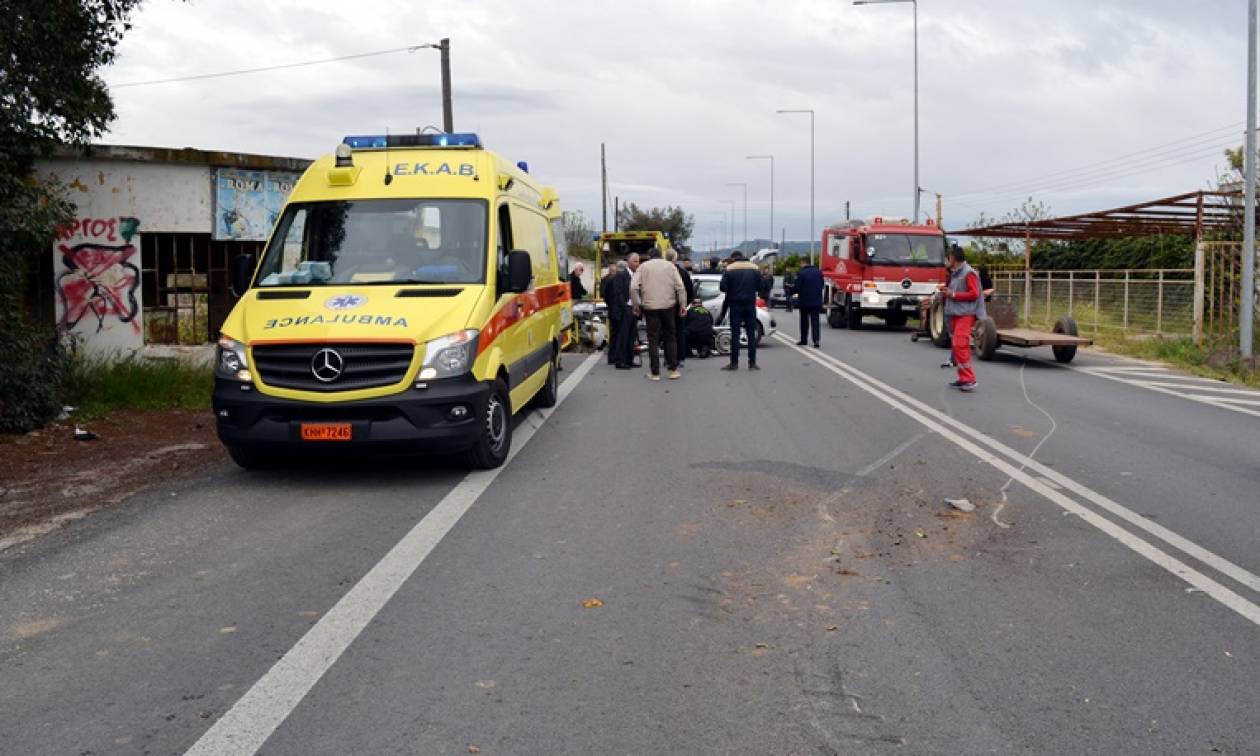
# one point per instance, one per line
(578, 232)
(671, 221)
(50, 94)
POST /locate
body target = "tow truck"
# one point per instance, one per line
(884, 267)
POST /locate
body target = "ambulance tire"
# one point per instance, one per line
(494, 440)
(549, 394)
(253, 459)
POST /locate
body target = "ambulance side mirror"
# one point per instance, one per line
(520, 271)
(242, 273)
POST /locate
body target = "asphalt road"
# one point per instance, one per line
(741, 562)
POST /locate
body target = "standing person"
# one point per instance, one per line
(809, 285)
(576, 288)
(714, 265)
(767, 284)
(658, 294)
(628, 328)
(689, 287)
(964, 304)
(789, 286)
(614, 312)
(740, 281)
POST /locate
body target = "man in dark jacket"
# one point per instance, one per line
(740, 282)
(690, 288)
(576, 289)
(767, 284)
(809, 289)
(606, 285)
(628, 327)
(789, 286)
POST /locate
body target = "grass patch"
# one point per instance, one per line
(97, 386)
(1218, 361)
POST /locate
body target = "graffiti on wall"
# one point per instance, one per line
(98, 280)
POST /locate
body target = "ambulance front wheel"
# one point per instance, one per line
(494, 438)
(253, 459)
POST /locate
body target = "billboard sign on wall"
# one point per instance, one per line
(247, 203)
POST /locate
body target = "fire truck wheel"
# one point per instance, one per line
(835, 317)
(853, 314)
(896, 319)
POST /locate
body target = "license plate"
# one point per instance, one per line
(326, 432)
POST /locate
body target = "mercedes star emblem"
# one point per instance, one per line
(327, 365)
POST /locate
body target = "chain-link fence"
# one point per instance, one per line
(1157, 301)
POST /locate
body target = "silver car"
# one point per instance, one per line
(710, 294)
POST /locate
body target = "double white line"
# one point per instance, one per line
(1061, 490)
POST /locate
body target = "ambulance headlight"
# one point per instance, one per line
(450, 355)
(229, 360)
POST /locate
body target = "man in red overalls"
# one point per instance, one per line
(964, 304)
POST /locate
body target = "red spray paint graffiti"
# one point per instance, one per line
(98, 277)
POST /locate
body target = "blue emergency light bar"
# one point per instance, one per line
(382, 141)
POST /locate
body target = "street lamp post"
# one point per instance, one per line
(732, 226)
(771, 159)
(1247, 309)
(813, 241)
(745, 185)
(915, 4)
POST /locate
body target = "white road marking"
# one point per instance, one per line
(1183, 387)
(257, 714)
(950, 429)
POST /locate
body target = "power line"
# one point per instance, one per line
(244, 71)
(1185, 143)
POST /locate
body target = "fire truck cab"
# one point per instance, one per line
(883, 267)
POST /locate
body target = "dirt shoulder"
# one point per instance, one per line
(48, 478)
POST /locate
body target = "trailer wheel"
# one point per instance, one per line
(986, 338)
(936, 325)
(853, 316)
(1066, 326)
(835, 317)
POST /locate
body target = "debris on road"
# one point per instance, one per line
(85, 435)
(592, 603)
(962, 505)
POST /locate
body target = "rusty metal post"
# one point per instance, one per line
(1049, 286)
(1071, 293)
(1198, 272)
(1159, 304)
(1027, 277)
(1097, 299)
(1125, 326)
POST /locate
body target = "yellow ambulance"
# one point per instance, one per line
(410, 298)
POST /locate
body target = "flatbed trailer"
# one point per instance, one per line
(1001, 328)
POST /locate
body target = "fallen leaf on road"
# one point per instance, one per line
(830, 628)
(846, 572)
(763, 645)
(474, 749)
(919, 532)
(592, 603)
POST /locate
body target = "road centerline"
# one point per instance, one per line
(255, 716)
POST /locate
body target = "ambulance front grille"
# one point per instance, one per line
(362, 366)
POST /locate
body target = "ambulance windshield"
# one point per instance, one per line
(905, 249)
(393, 241)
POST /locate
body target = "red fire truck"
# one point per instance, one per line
(884, 267)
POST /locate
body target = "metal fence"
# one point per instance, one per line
(1159, 301)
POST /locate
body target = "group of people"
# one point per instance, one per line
(658, 291)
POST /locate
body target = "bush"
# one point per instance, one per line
(33, 376)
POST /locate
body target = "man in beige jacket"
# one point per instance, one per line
(657, 292)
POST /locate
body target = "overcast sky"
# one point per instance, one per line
(1014, 95)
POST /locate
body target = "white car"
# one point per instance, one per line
(707, 289)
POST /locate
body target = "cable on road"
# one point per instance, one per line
(1053, 427)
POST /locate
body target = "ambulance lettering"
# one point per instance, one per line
(427, 169)
(388, 321)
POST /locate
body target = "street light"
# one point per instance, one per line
(771, 159)
(914, 3)
(813, 241)
(732, 226)
(745, 185)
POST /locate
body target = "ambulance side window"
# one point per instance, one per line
(505, 241)
(529, 233)
(562, 244)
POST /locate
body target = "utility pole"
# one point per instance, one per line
(846, 210)
(616, 213)
(448, 119)
(1247, 310)
(603, 183)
